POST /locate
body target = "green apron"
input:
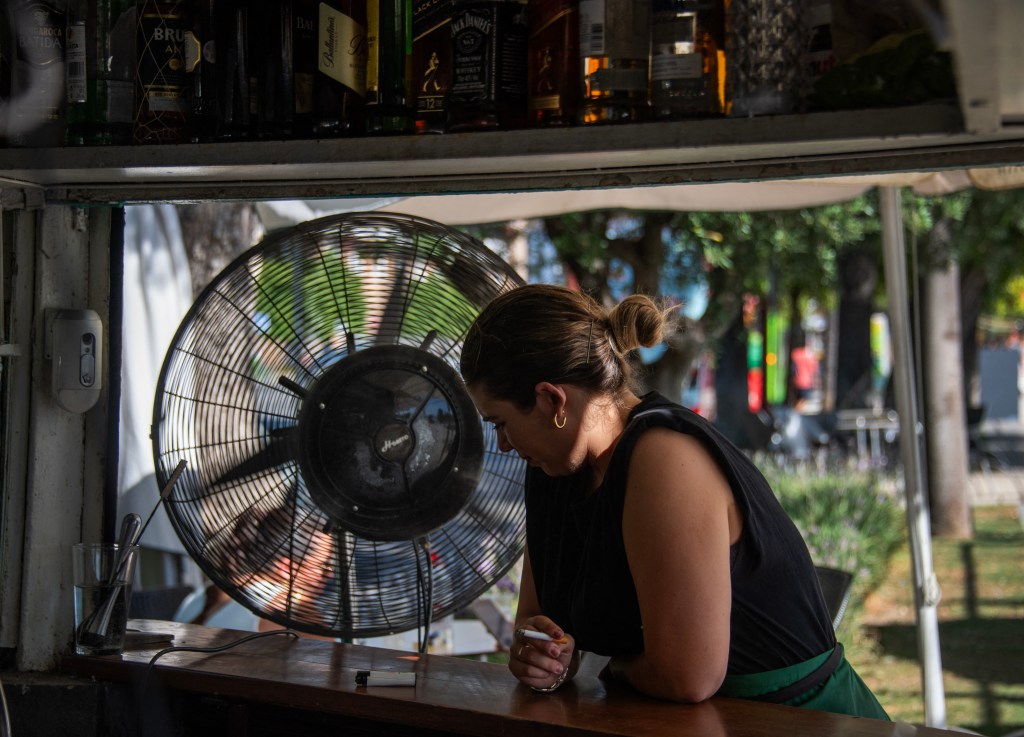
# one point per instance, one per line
(842, 691)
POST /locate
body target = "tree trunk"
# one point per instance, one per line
(946, 436)
(858, 278)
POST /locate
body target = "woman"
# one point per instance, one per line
(650, 537)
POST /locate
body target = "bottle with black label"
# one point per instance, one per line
(488, 87)
(100, 55)
(554, 64)
(388, 56)
(686, 41)
(160, 79)
(339, 88)
(431, 63)
(37, 115)
(614, 48)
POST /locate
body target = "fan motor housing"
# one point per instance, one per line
(389, 443)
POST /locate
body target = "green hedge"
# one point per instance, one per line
(847, 520)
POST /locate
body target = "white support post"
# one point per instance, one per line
(926, 589)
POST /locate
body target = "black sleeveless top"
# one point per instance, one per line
(582, 575)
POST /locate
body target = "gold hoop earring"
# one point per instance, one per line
(564, 419)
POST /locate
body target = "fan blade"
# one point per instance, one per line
(277, 452)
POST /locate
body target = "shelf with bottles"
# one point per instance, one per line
(925, 137)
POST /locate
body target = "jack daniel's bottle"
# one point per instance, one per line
(488, 65)
(554, 65)
(160, 77)
(339, 89)
(614, 48)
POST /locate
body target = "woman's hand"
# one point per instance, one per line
(538, 663)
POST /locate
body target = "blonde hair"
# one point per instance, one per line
(542, 332)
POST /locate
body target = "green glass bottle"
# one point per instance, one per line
(100, 72)
(389, 107)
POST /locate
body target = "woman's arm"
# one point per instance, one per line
(679, 520)
(536, 663)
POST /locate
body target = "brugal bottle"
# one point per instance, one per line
(339, 88)
(686, 38)
(100, 72)
(389, 107)
(160, 77)
(614, 52)
(554, 65)
(431, 63)
(488, 65)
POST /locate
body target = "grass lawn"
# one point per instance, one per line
(981, 629)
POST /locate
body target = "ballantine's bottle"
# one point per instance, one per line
(37, 108)
(160, 77)
(389, 54)
(488, 88)
(431, 63)
(554, 64)
(339, 88)
(686, 41)
(101, 72)
(614, 48)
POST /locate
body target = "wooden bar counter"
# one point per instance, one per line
(303, 678)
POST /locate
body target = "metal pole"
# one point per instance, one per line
(926, 587)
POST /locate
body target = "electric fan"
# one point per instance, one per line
(339, 480)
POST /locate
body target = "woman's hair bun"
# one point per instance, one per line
(636, 321)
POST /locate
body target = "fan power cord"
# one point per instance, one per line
(196, 649)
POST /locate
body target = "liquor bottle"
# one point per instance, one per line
(614, 49)
(304, 16)
(160, 78)
(234, 71)
(488, 88)
(37, 109)
(388, 66)
(100, 72)
(6, 50)
(271, 49)
(554, 63)
(431, 63)
(339, 88)
(200, 56)
(685, 57)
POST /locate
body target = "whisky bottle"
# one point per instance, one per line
(554, 62)
(160, 80)
(614, 49)
(339, 88)
(388, 67)
(685, 57)
(488, 88)
(234, 71)
(271, 49)
(100, 72)
(431, 63)
(304, 63)
(37, 107)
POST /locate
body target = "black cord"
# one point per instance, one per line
(195, 649)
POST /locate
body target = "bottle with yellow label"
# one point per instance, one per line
(339, 86)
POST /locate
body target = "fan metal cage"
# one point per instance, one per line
(339, 481)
